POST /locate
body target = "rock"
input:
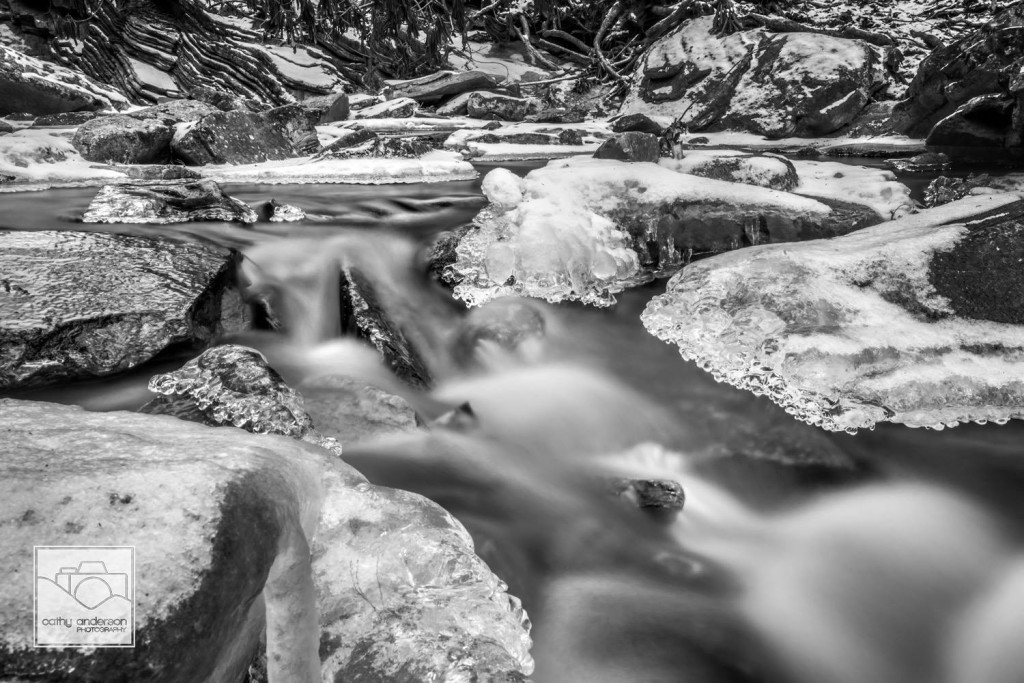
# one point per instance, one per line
(984, 121)
(327, 108)
(234, 385)
(124, 140)
(160, 172)
(984, 64)
(4, 178)
(492, 105)
(224, 524)
(298, 125)
(437, 86)
(917, 321)
(401, 108)
(68, 119)
(218, 521)
(639, 123)
(509, 325)
(221, 100)
(170, 202)
(570, 136)
(355, 412)
(630, 147)
(944, 190)
(776, 85)
(587, 228)
(116, 302)
(175, 111)
(37, 87)
(929, 162)
(365, 143)
(456, 106)
(559, 115)
(5, 127)
(771, 171)
(232, 137)
(663, 499)
(275, 212)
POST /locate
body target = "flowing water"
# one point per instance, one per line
(891, 556)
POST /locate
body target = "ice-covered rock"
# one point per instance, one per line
(166, 202)
(587, 228)
(114, 302)
(917, 321)
(776, 85)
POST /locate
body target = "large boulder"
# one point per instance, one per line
(244, 137)
(167, 202)
(776, 85)
(942, 101)
(115, 301)
(630, 146)
(583, 229)
(124, 140)
(919, 321)
(437, 86)
(37, 87)
(235, 534)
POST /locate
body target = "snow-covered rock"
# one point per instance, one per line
(586, 228)
(37, 87)
(169, 202)
(918, 321)
(771, 84)
(398, 108)
(771, 171)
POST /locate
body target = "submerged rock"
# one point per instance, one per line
(776, 85)
(583, 229)
(202, 200)
(115, 302)
(919, 321)
(663, 499)
(276, 212)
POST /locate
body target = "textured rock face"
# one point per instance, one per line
(918, 321)
(124, 140)
(242, 137)
(435, 87)
(218, 519)
(493, 105)
(173, 202)
(37, 87)
(115, 302)
(771, 84)
(940, 102)
(583, 229)
(630, 146)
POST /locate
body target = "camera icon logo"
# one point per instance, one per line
(85, 596)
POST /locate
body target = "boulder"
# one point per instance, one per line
(327, 108)
(36, 87)
(168, 202)
(437, 86)
(232, 137)
(986, 64)
(222, 100)
(775, 85)
(919, 321)
(223, 523)
(583, 229)
(400, 108)
(630, 146)
(115, 302)
(639, 123)
(298, 124)
(944, 190)
(124, 140)
(483, 105)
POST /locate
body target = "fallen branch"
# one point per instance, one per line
(568, 37)
(611, 19)
(781, 25)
